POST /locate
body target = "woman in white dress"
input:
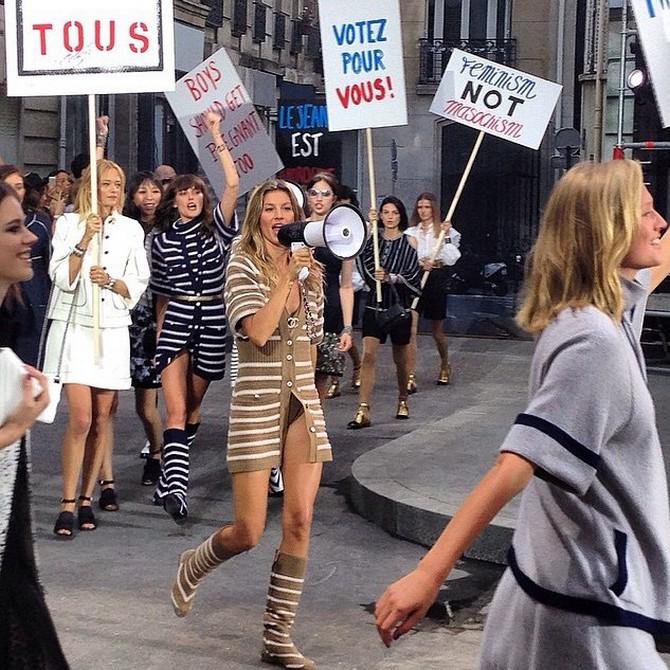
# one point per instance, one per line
(90, 284)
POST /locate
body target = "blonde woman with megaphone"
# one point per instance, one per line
(275, 413)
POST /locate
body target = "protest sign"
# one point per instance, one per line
(363, 63)
(84, 47)
(214, 85)
(495, 99)
(304, 142)
(653, 26)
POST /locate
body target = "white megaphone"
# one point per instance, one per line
(343, 232)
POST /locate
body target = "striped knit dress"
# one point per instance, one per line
(186, 264)
(188, 268)
(271, 375)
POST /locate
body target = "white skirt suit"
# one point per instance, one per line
(123, 256)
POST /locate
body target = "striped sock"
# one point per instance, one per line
(286, 582)
(194, 565)
(176, 467)
(191, 432)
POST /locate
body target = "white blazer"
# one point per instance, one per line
(122, 255)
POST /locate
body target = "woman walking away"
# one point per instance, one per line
(425, 228)
(588, 582)
(27, 635)
(187, 273)
(92, 355)
(275, 414)
(399, 274)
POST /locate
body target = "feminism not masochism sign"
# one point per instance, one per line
(363, 63)
(214, 85)
(84, 47)
(496, 99)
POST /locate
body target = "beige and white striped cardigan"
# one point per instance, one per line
(268, 375)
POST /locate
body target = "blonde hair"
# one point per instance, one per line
(586, 230)
(251, 240)
(82, 201)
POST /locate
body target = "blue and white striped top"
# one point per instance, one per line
(186, 262)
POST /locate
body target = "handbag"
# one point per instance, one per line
(48, 415)
(395, 315)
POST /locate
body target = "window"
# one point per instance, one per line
(260, 15)
(239, 26)
(279, 33)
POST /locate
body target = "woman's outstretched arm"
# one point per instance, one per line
(407, 600)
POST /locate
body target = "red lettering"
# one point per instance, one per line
(80, 36)
(202, 82)
(191, 86)
(216, 71)
(143, 39)
(379, 87)
(98, 36)
(43, 27)
(344, 95)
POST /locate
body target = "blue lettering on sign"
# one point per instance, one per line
(664, 4)
(305, 116)
(371, 31)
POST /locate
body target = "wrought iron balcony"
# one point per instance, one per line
(434, 55)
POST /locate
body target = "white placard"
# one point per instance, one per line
(363, 63)
(215, 85)
(653, 21)
(497, 99)
(83, 47)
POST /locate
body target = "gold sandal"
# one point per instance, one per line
(362, 418)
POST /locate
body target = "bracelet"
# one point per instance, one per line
(347, 329)
(77, 251)
(110, 284)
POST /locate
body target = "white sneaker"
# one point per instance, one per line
(145, 450)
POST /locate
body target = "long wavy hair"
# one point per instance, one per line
(397, 203)
(166, 212)
(587, 228)
(130, 209)
(414, 220)
(252, 243)
(82, 201)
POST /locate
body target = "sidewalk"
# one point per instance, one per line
(412, 485)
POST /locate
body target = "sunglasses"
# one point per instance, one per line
(314, 193)
(165, 182)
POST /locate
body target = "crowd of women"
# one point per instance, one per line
(141, 291)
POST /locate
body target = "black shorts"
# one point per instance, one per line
(399, 335)
(433, 303)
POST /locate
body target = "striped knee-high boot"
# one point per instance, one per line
(194, 564)
(162, 487)
(175, 471)
(286, 583)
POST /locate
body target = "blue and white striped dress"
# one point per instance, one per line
(186, 262)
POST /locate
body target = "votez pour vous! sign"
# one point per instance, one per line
(497, 99)
(84, 47)
(363, 63)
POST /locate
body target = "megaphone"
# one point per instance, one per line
(343, 232)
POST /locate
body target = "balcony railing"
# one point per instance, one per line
(434, 55)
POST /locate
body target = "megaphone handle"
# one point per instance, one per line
(304, 272)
